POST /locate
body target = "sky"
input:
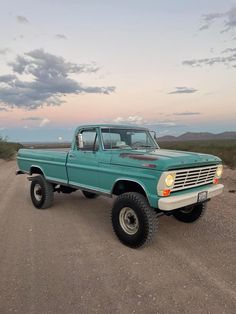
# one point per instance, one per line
(166, 65)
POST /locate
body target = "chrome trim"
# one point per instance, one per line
(196, 168)
(193, 177)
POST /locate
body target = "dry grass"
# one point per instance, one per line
(7, 149)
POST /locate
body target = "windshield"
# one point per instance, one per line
(118, 138)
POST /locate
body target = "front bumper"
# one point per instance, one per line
(174, 202)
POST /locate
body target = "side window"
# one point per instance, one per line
(90, 140)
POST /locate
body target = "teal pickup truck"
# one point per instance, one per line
(125, 161)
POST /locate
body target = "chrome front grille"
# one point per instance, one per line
(188, 178)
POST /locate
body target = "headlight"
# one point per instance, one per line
(219, 171)
(166, 183)
(169, 180)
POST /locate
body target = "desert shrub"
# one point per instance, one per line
(225, 149)
(8, 149)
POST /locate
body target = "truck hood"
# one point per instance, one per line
(162, 159)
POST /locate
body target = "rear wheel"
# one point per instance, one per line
(134, 221)
(89, 194)
(41, 192)
(190, 213)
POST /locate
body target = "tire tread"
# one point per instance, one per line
(48, 190)
(150, 216)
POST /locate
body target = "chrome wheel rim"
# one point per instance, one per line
(38, 192)
(129, 220)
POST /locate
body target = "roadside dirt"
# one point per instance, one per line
(67, 260)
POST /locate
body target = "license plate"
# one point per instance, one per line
(202, 196)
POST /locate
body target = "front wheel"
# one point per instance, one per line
(190, 213)
(41, 192)
(134, 221)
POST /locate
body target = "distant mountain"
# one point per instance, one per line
(201, 136)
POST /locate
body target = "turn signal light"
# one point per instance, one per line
(215, 180)
(166, 192)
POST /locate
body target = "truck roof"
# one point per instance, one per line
(115, 126)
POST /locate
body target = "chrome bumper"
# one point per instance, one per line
(174, 202)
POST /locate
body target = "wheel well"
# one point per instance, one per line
(36, 170)
(123, 186)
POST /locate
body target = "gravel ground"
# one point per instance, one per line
(67, 260)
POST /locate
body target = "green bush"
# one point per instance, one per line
(225, 149)
(7, 149)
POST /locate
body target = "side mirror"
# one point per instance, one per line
(80, 141)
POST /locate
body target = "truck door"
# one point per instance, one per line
(83, 162)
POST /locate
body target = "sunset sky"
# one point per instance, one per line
(167, 65)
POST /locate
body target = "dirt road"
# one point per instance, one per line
(67, 260)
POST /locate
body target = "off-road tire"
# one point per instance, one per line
(147, 219)
(195, 212)
(47, 194)
(89, 194)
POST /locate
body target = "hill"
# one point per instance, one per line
(198, 136)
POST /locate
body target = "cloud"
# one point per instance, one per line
(210, 61)
(22, 19)
(229, 50)
(183, 90)
(164, 124)
(7, 78)
(44, 122)
(130, 120)
(138, 120)
(33, 118)
(19, 37)
(212, 16)
(4, 51)
(49, 79)
(61, 36)
(186, 113)
(203, 27)
(228, 17)
(3, 109)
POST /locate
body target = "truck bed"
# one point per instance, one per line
(52, 161)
